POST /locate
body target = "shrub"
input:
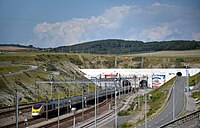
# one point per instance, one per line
(123, 113)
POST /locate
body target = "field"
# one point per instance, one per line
(11, 48)
(188, 53)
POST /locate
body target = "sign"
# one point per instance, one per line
(158, 80)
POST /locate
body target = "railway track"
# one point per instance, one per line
(33, 121)
(68, 121)
(88, 113)
(9, 111)
(12, 112)
(90, 124)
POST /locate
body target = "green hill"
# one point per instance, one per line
(115, 46)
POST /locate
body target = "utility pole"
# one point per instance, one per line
(173, 89)
(106, 91)
(95, 103)
(145, 108)
(115, 61)
(187, 75)
(142, 64)
(51, 81)
(46, 108)
(82, 103)
(58, 108)
(74, 86)
(16, 108)
(115, 107)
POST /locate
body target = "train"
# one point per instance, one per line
(39, 109)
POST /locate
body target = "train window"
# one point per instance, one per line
(49, 107)
(37, 106)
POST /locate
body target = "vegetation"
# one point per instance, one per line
(123, 113)
(10, 69)
(67, 64)
(125, 125)
(4, 87)
(115, 46)
(193, 80)
(158, 96)
(155, 101)
(196, 95)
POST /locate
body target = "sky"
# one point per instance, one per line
(53, 23)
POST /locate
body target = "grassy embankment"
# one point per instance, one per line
(193, 81)
(155, 102)
(28, 90)
(10, 69)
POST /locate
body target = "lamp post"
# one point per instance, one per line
(74, 110)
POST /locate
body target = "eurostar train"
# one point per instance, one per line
(39, 109)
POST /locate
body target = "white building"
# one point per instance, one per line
(167, 74)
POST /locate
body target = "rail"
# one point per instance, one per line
(182, 119)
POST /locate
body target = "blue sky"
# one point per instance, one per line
(53, 23)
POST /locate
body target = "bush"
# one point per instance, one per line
(51, 67)
(123, 113)
(75, 60)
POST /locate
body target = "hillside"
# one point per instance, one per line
(57, 65)
(66, 66)
(114, 46)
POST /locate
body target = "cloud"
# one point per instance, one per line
(78, 29)
(196, 36)
(158, 33)
(147, 23)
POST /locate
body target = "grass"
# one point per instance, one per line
(159, 95)
(125, 125)
(196, 95)
(8, 69)
(187, 53)
(155, 102)
(193, 80)
(123, 113)
(4, 87)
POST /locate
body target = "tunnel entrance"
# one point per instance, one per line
(126, 83)
(179, 74)
(143, 84)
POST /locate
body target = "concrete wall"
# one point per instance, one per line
(169, 73)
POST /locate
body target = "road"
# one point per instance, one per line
(167, 113)
(32, 67)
